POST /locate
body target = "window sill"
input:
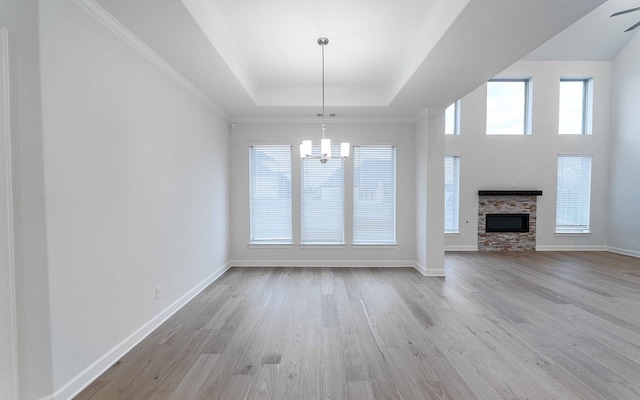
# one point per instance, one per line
(374, 245)
(270, 245)
(573, 233)
(452, 233)
(322, 246)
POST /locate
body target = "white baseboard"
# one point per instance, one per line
(461, 248)
(339, 263)
(324, 263)
(92, 372)
(570, 248)
(429, 272)
(625, 252)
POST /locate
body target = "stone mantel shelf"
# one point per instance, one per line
(510, 192)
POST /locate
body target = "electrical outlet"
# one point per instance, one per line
(158, 292)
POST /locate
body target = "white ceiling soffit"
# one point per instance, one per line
(486, 38)
(260, 59)
(596, 37)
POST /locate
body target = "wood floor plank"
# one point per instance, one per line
(534, 325)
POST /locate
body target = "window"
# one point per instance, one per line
(574, 115)
(508, 107)
(323, 199)
(270, 194)
(451, 194)
(452, 119)
(574, 193)
(374, 195)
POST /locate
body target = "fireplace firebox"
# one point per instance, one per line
(507, 223)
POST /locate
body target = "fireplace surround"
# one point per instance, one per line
(507, 220)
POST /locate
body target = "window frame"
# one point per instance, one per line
(587, 106)
(526, 129)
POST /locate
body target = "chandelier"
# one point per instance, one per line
(325, 144)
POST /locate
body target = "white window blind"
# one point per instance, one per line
(574, 194)
(374, 194)
(270, 194)
(451, 194)
(322, 200)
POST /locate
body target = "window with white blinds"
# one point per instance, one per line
(322, 200)
(451, 194)
(573, 194)
(270, 194)
(374, 194)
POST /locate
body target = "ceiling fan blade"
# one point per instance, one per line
(625, 11)
(633, 27)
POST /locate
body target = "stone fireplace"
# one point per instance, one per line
(512, 220)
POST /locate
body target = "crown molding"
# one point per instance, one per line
(101, 15)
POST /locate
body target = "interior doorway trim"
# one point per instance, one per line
(8, 327)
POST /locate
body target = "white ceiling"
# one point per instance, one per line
(259, 59)
(594, 37)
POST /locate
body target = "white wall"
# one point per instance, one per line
(136, 177)
(624, 204)
(429, 208)
(530, 162)
(420, 148)
(8, 320)
(293, 133)
(32, 281)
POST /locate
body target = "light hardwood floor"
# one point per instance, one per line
(500, 326)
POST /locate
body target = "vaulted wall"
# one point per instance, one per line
(624, 207)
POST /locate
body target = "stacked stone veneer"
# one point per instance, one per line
(507, 241)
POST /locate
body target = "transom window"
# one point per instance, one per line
(452, 119)
(574, 111)
(508, 107)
